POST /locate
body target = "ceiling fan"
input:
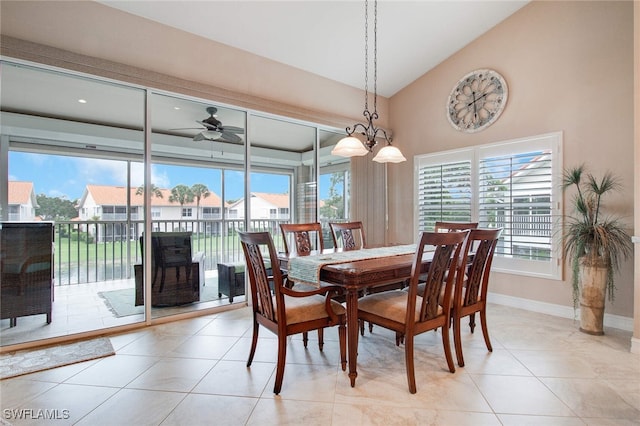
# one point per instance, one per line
(214, 130)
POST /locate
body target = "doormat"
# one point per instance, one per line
(27, 361)
(121, 302)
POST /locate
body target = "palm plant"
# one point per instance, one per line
(181, 194)
(155, 191)
(199, 191)
(590, 237)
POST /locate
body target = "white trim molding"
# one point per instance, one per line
(614, 321)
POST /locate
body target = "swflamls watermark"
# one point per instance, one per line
(35, 414)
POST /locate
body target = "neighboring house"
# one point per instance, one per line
(527, 208)
(263, 206)
(22, 202)
(109, 204)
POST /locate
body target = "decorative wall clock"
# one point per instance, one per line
(477, 100)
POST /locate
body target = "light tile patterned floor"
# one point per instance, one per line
(542, 371)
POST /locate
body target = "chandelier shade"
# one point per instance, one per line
(389, 154)
(351, 146)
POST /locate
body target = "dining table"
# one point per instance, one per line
(354, 271)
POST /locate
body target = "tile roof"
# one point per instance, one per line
(278, 200)
(117, 196)
(20, 192)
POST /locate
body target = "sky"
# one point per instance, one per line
(67, 177)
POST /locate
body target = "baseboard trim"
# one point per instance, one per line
(614, 321)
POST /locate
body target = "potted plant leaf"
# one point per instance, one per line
(595, 243)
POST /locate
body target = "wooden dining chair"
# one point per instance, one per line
(348, 235)
(285, 311)
(302, 239)
(442, 226)
(409, 314)
(471, 296)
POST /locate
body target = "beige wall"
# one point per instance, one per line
(635, 345)
(569, 68)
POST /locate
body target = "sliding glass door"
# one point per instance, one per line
(146, 191)
(72, 146)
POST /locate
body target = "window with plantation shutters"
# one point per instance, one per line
(512, 185)
(444, 193)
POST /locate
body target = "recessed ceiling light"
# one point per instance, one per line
(176, 108)
(82, 101)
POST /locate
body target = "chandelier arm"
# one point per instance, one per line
(355, 127)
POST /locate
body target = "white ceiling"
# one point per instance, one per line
(327, 37)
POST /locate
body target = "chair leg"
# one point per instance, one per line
(254, 343)
(408, 355)
(342, 338)
(457, 341)
(321, 338)
(361, 323)
(282, 356)
(305, 338)
(485, 330)
(447, 348)
(472, 321)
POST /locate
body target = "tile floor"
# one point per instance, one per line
(542, 371)
(79, 308)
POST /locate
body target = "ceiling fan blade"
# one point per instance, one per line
(199, 137)
(207, 125)
(230, 137)
(187, 128)
(232, 129)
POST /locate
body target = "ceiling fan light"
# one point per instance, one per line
(211, 134)
(389, 154)
(349, 147)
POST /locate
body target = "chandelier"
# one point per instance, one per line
(350, 146)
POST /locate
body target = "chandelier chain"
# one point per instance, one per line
(375, 57)
(366, 55)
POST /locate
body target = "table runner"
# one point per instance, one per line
(307, 268)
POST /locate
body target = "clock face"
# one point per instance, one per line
(477, 100)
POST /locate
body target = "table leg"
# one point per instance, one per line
(352, 333)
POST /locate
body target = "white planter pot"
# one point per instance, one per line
(593, 286)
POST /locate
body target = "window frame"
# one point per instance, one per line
(549, 269)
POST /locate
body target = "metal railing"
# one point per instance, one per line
(95, 251)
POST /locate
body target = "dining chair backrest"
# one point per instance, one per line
(348, 235)
(442, 226)
(257, 245)
(302, 238)
(478, 255)
(448, 246)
